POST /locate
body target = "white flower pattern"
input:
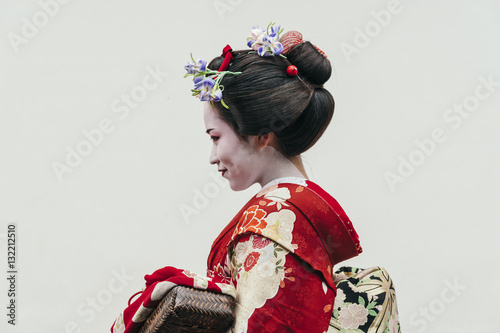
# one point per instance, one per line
(353, 316)
(266, 269)
(280, 228)
(262, 279)
(339, 299)
(119, 326)
(365, 302)
(242, 250)
(278, 196)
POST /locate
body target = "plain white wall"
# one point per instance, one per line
(87, 238)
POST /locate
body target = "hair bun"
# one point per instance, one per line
(320, 51)
(311, 62)
(310, 125)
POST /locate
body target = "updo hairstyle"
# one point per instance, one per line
(264, 99)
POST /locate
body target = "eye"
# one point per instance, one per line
(214, 138)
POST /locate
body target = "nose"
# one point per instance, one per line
(213, 159)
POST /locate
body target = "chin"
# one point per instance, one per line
(239, 186)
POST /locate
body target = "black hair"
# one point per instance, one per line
(264, 98)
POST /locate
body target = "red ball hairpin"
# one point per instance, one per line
(289, 39)
(292, 70)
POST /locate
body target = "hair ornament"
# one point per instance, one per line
(207, 85)
(319, 50)
(290, 39)
(292, 70)
(228, 56)
(266, 43)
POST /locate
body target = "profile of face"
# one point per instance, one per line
(238, 161)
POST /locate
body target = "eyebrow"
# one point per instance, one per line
(208, 130)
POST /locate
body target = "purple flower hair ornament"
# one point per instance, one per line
(195, 68)
(206, 81)
(207, 85)
(205, 89)
(266, 43)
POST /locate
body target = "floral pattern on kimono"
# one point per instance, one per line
(279, 260)
(365, 302)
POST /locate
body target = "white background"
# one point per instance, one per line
(118, 212)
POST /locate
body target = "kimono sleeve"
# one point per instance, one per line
(275, 290)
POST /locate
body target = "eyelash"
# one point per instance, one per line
(214, 138)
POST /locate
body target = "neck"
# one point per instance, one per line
(297, 161)
(279, 166)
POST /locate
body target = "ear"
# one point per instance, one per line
(263, 140)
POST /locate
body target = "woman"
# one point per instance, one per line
(280, 249)
(262, 109)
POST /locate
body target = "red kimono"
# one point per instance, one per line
(279, 252)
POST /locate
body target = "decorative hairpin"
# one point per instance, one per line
(206, 81)
(266, 43)
(207, 85)
(292, 38)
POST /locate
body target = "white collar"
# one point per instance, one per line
(293, 180)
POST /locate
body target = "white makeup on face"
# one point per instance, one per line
(234, 158)
(243, 163)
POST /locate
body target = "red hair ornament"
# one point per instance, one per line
(228, 56)
(291, 38)
(292, 70)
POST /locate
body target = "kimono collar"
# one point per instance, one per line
(293, 180)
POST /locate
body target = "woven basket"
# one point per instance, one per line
(186, 309)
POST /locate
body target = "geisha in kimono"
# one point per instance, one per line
(280, 250)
